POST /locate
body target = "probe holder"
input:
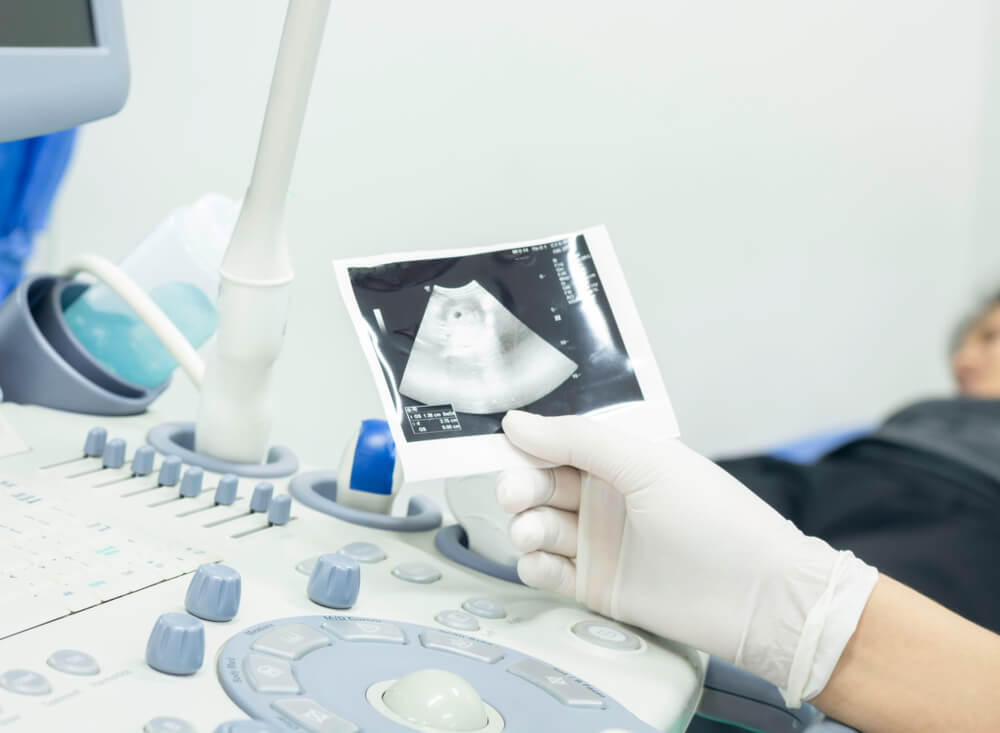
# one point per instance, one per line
(318, 490)
(177, 439)
(42, 363)
(453, 542)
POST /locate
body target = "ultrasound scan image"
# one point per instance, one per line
(475, 354)
(462, 340)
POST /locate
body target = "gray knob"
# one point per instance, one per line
(142, 461)
(261, 498)
(191, 483)
(114, 453)
(335, 581)
(214, 593)
(93, 446)
(280, 510)
(170, 471)
(177, 644)
(225, 492)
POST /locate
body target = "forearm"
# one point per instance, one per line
(913, 665)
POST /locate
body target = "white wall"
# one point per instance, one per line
(986, 260)
(791, 186)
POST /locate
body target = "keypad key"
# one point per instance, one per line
(478, 650)
(354, 630)
(312, 716)
(364, 552)
(71, 661)
(167, 724)
(457, 620)
(607, 636)
(306, 566)
(270, 675)
(292, 641)
(559, 685)
(25, 682)
(417, 572)
(484, 608)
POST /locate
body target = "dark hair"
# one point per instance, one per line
(969, 322)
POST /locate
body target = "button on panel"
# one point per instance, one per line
(559, 685)
(607, 636)
(293, 641)
(270, 675)
(484, 608)
(470, 648)
(364, 552)
(417, 572)
(244, 726)
(167, 724)
(25, 682)
(457, 620)
(306, 566)
(377, 631)
(312, 716)
(71, 661)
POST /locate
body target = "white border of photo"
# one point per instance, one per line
(652, 418)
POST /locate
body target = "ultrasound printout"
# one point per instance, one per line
(461, 338)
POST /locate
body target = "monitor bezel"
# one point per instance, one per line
(44, 89)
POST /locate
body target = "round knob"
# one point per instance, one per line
(280, 510)
(214, 593)
(437, 699)
(93, 446)
(225, 492)
(176, 645)
(170, 471)
(191, 483)
(261, 498)
(335, 581)
(142, 461)
(114, 453)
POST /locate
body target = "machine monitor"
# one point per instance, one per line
(62, 63)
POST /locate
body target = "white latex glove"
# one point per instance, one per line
(655, 535)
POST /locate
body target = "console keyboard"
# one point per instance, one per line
(57, 559)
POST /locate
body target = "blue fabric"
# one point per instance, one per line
(30, 173)
(814, 446)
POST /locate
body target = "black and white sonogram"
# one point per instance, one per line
(462, 340)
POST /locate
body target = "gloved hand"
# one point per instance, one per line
(655, 535)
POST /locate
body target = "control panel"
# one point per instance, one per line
(143, 593)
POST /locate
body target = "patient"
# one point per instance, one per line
(920, 497)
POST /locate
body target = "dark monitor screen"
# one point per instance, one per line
(46, 23)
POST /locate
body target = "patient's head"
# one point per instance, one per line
(976, 355)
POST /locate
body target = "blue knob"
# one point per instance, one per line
(261, 498)
(176, 645)
(142, 461)
(280, 509)
(114, 453)
(225, 492)
(170, 471)
(191, 483)
(214, 593)
(93, 446)
(335, 581)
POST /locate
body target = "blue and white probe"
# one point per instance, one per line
(370, 473)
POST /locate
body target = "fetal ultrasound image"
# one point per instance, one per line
(462, 340)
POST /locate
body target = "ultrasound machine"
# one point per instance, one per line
(167, 574)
